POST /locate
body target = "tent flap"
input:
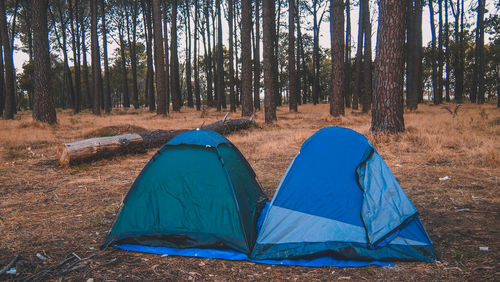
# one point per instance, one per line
(385, 207)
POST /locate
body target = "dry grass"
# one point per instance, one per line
(47, 209)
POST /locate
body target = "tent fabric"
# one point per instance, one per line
(339, 198)
(228, 254)
(197, 191)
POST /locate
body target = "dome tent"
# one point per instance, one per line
(197, 191)
(338, 198)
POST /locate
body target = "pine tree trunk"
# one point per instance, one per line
(434, 74)
(189, 85)
(166, 61)
(86, 75)
(246, 59)
(256, 59)
(347, 54)
(107, 91)
(149, 55)
(447, 52)
(359, 61)
(159, 61)
(439, 98)
(2, 81)
(43, 106)
(412, 57)
(209, 57)
(174, 62)
(337, 49)
(478, 81)
(126, 98)
(76, 53)
(96, 60)
(221, 97)
(316, 86)
(292, 75)
(10, 102)
(366, 98)
(387, 113)
(268, 50)
(197, 93)
(232, 97)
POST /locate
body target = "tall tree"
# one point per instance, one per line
(359, 61)
(121, 34)
(86, 81)
(413, 54)
(246, 59)
(434, 74)
(268, 50)
(479, 61)
(146, 11)
(75, 43)
(10, 99)
(256, 59)
(457, 68)
(447, 51)
(208, 57)
(166, 61)
(366, 98)
(161, 91)
(174, 62)
(317, 5)
(96, 60)
(440, 55)
(232, 94)
(187, 26)
(43, 106)
(221, 97)
(2, 79)
(387, 113)
(132, 44)
(347, 54)
(197, 93)
(107, 89)
(337, 49)
(292, 75)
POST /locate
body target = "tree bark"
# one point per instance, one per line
(347, 54)
(166, 61)
(43, 106)
(221, 97)
(439, 98)
(434, 74)
(387, 113)
(447, 52)
(10, 99)
(359, 61)
(208, 58)
(292, 74)
(268, 50)
(189, 85)
(126, 98)
(96, 61)
(75, 43)
(150, 94)
(479, 61)
(337, 49)
(256, 59)
(246, 58)
(366, 98)
(174, 62)
(107, 91)
(197, 93)
(2, 80)
(159, 59)
(232, 94)
(414, 61)
(86, 74)
(103, 147)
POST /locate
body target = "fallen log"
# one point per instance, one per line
(103, 147)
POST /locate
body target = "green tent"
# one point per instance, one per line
(197, 191)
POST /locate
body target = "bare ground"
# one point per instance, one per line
(55, 212)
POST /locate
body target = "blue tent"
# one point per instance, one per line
(339, 198)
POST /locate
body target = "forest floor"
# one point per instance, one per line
(58, 211)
